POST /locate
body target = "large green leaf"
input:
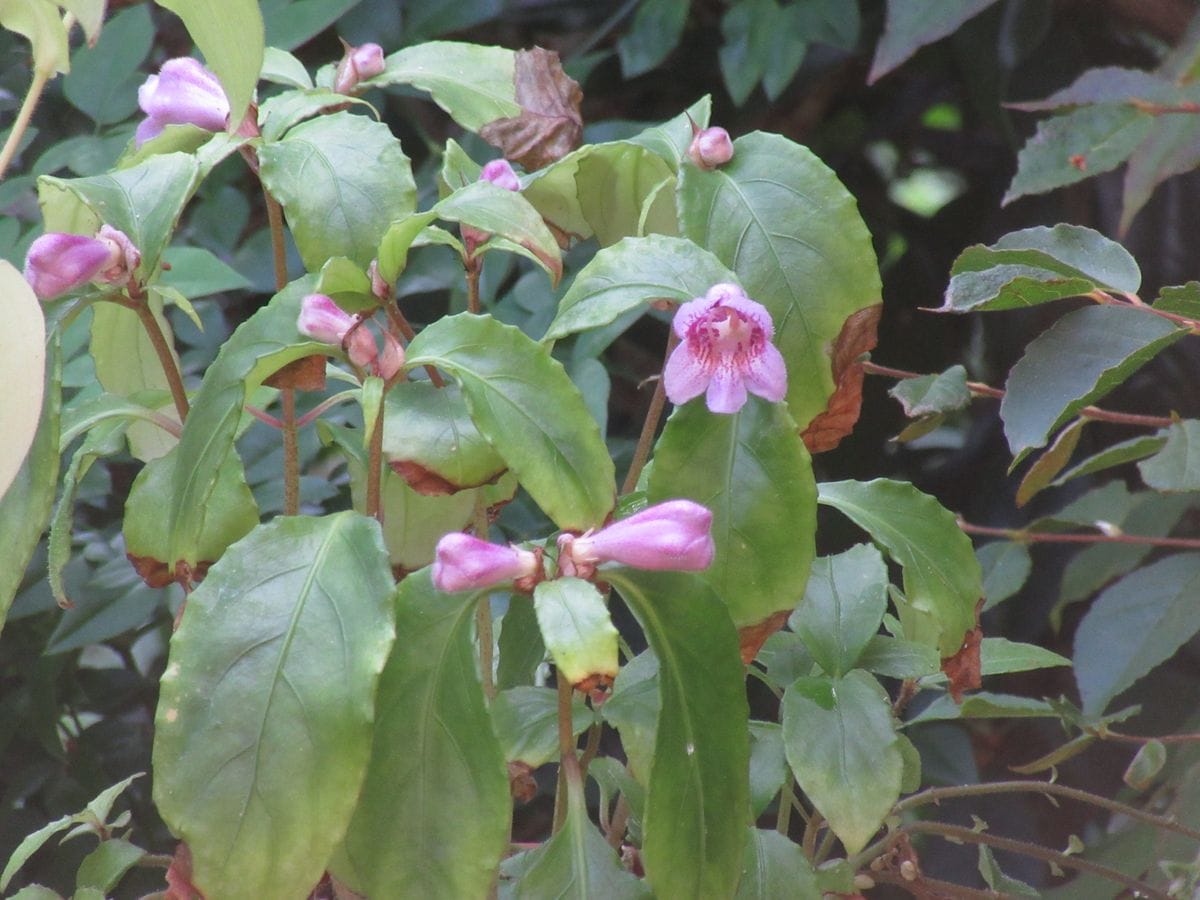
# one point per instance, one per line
(473, 84)
(842, 746)
(1135, 624)
(698, 794)
(1076, 361)
(1037, 265)
(578, 631)
(433, 816)
(942, 579)
(22, 371)
(271, 685)
(780, 219)
(776, 867)
(230, 35)
(911, 25)
(342, 180)
(522, 401)
(843, 605)
(144, 201)
(631, 273)
(751, 469)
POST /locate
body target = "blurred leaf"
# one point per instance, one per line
(1135, 624)
(768, 765)
(912, 24)
(630, 274)
(230, 35)
(780, 219)
(22, 371)
(1116, 455)
(1171, 148)
(522, 401)
(995, 879)
(942, 580)
(1145, 765)
(89, 14)
(342, 180)
(474, 84)
(578, 631)
(843, 604)
(775, 867)
(698, 794)
(841, 745)
(751, 469)
(104, 79)
(290, 23)
(547, 125)
(984, 705)
(107, 864)
(196, 272)
(1176, 467)
(1076, 361)
(434, 813)
(281, 67)
(898, 658)
(1006, 566)
(526, 723)
(277, 658)
(944, 392)
(654, 33)
(41, 23)
(749, 29)
(1077, 145)
(1050, 463)
(634, 708)
(521, 647)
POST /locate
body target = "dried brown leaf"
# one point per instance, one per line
(305, 374)
(549, 125)
(752, 637)
(858, 336)
(964, 668)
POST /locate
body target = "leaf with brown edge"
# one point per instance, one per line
(752, 637)
(964, 668)
(304, 374)
(549, 126)
(858, 336)
(1050, 463)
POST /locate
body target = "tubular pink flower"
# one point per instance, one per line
(183, 92)
(710, 148)
(674, 535)
(359, 64)
(323, 320)
(463, 562)
(57, 263)
(725, 350)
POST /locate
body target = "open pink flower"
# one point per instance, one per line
(675, 535)
(464, 563)
(182, 93)
(725, 350)
(57, 263)
(360, 63)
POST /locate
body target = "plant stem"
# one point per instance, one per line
(568, 770)
(1049, 537)
(1108, 734)
(783, 816)
(483, 612)
(983, 390)
(616, 828)
(24, 115)
(924, 886)
(646, 439)
(591, 747)
(278, 249)
(474, 267)
(291, 454)
(375, 469)
(398, 322)
(165, 358)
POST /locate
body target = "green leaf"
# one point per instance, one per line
(1075, 362)
(281, 67)
(434, 812)
(40, 22)
(1145, 765)
(768, 765)
(1135, 624)
(698, 795)
(522, 401)
(843, 605)
(1183, 299)
(634, 709)
(1006, 566)
(999, 655)
(780, 219)
(1050, 463)
(995, 879)
(107, 864)
(290, 23)
(841, 744)
(27, 502)
(984, 705)
(577, 629)
(144, 201)
(944, 392)
(1080, 144)
(775, 867)
(526, 722)
(752, 470)
(1118, 454)
(630, 274)
(22, 370)
(653, 34)
(230, 35)
(942, 579)
(342, 180)
(910, 26)
(521, 647)
(748, 30)
(271, 684)
(609, 191)
(1169, 149)
(104, 78)
(282, 112)
(898, 658)
(671, 139)
(196, 272)
(473, 84)
(1174, 467)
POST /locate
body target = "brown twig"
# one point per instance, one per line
(166, 359)
(1050, 537)
(645, 442)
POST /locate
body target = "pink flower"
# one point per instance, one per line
(674, 535)
(725, 350)
(57, 263)
(359, 64)
(182, 93)
(710, 148)
(464, 563)
(391, 360)
(500, 173)
(323, 320)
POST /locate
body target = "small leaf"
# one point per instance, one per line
(1116, 455)
(578, 632)
(995, 879)
(526, 722)
(653, 34)
(857, 338)
(1006, 566)
(768, 765)
(1078, 360)
(841, 745)
(549, 125)
(671, 139)
(984, 705)
(1145, 765)
(107, 865)
(1176, 467)
(910, 26)
(1059, 755)
(842, 607)
(926, 394)
(1183, 300)
(1169, 149)
(1050, 463)
(474, 84)
(1135, 624)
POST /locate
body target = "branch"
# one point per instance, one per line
(1025, 536)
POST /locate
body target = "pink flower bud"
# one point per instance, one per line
(463, 563)
(674, 535)
(182, 93)
(500, 173)
(711, 148)
(391, 360)
(380, 289)
(359, 64)
(57, 263)
(323, 320)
